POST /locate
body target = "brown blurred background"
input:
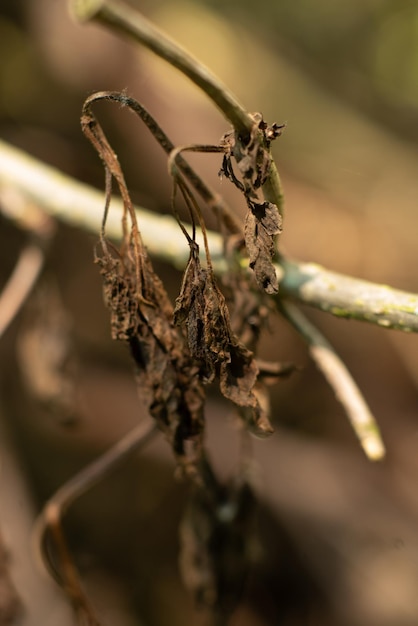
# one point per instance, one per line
(338, 540)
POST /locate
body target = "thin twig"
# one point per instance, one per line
(339, 378)
(49, 523)
(20, 283)
(40, 228)
(214, 200)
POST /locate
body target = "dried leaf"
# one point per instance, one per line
(190, 309)
(263, 221)
(141, 316)
(257, 419)
(202, 307)
(166, 374)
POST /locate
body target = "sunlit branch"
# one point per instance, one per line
(339, 378)
(82, 206)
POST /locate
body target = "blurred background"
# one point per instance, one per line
(338, 538)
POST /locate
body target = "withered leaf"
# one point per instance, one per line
(190, 309)
(202, 308)
(257, 418)
(141, 316)
(166, 374)
(263, 220)
(249, 306)
(261, 224)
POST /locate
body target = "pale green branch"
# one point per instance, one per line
(340, 380)
(350, 298)
(81, 206)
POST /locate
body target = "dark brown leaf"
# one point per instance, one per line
(142, 317)
(260, 246)
(202, 308)
(257, 419)
(263, 220)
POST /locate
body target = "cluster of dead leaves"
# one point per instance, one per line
(177, 351)
(180, 349)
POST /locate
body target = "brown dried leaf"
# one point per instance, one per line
(141, 316)
(262, 223)
(202, 307)
(257, 419)
(165, 372)
(263, 220)
(190, 309)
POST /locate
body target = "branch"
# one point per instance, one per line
(20, 283)
(350, 298)
(40, 228)
(340, 380)
(80, 205)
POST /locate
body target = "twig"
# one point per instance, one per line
(214, 200)
(49, 522)
(339, 378)
(40, 227)
(80, 205)
(20, 283)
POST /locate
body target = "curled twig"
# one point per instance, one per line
(214, 200)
